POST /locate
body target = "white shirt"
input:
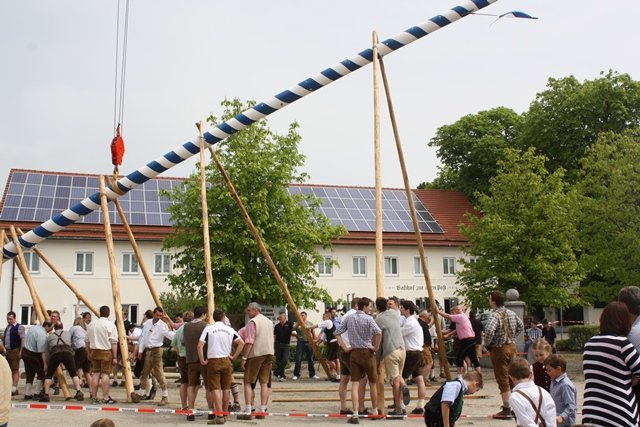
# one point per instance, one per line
(221, 339)
(101, 333)
(345, 337)
(412, 334)
(525, 413)
(154, 335)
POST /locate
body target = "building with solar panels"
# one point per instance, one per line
(79, 251)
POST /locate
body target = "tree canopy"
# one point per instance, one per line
(261, 164)
(524, 237)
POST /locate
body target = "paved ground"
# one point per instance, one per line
(286, 398)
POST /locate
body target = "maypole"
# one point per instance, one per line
(241, 121)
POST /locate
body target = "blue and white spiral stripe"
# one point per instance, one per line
(241, 121)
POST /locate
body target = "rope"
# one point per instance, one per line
(120, 68)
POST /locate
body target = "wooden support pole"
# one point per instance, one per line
(274, 270)
(117, 306)
(414, 218)
(205, 228)
(64, 280)
(379, 231)
(37, 303)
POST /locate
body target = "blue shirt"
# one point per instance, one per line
(360, 328)
(565, 397)
(36, 339)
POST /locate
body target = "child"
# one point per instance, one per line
(445, 406)
(531, 403)
(563, 391)
(541, 350)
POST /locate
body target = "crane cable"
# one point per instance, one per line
(117, 143)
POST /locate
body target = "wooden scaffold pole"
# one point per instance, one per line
(274, 270)
(115, 289)
(416, 228)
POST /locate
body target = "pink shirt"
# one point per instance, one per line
(249, 333)
(464, 329)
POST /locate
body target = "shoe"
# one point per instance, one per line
(315, 377)
(28, 396)
(410, 382)
(433, 379)
(353, 420)
(122, 384)
(14, 393)
(235, 407)
(244, 417)
(164, 401)
(262, 414)
(114, 383)
(406, 395)
(108, 401)
(221, 419)
(44, 398)
(211, 416)
(418, 411)
(396, 414)
(56, 391)
(442, 375)
(505, 413)
(145, 397)
(346, 412)
(281, 379)
(152, 393)
(191, 417)
(295, 378)
(79, 396)
(335, 380)
(95, 401)
(135, 397)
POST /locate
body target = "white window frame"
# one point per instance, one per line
(389, 262)
(417, 266)
(130, 317)
(33, 262)
(325, 266)
(357, 266)
(30, 314)
(84, 269)
(162, 271)
(129, 259)
(448, 266)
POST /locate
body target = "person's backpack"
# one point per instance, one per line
(538, 420)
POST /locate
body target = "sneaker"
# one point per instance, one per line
(346, 412)
(95, 401)
(191, 417)
(295, 378)
(108, 401)
(406, 395)
(281, 379)
(28, 396)
(353, 420)
(164, 401)
(114, 383)
(418, 411)
(56, 391)
(396, 414)
(44, 398)
(235, 407)
(505, 413)
(335, 380)
(79, 396)
(244, 417)
(135, 397)
(15, 393)
(315, 377)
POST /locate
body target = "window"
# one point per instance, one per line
(390, 266)
(33, 262)
(84, 262)
(129, 263)
(26, 313)
(132, 312)
(162, 264)
(449, 266)
(359, 265)
(417, 266)
(325, 266)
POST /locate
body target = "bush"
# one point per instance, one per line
(578, 336)
(563, 345)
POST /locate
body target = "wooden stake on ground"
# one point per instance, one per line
(37, 303)
(414, 218)
(205, 228)
(270, 263)
(64, 280)
(115, 289)
(378, 182)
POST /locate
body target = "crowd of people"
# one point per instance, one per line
(382, 337)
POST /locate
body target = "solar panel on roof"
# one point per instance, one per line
(355, 209)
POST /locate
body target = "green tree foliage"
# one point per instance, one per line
(566, 119)
(261, 164)
(178, 302)
(525, 236)
(608, 212)
(470, 149)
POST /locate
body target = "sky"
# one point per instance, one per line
(185, 57)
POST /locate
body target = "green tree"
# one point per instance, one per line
(608, 213)
(524, 237)
(470, 149)
(566, 119)
(261, 165)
